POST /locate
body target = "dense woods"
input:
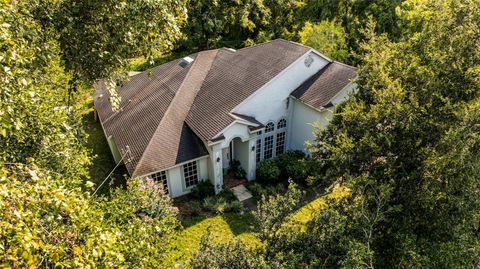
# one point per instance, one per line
(400, 161)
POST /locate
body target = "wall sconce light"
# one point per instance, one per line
(253, 148)
(218, 159)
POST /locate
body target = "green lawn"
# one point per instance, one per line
(222, 227)
(102, 161)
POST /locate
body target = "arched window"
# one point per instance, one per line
(270, 127)
(282, 124)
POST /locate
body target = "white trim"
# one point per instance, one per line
(321, 55)
(310, 106)
(177, 165)
(243, 121)
(182, 173)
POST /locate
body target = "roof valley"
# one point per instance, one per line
(161, 149)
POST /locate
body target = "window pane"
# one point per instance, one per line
(190, 174)
(282, 123)
(280, 147)
(269, 127)
(268, 150)
(259, 150)
(161, 177)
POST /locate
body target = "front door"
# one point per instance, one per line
(227, 155)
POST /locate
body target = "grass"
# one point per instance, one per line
(102, 161)
(223, 228)
(305, 214)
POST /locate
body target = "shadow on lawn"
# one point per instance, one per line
(102, 160)
(238, 223)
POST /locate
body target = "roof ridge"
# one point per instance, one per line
(346, 65)
(174, 117)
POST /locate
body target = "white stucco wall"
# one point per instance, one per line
(241, 153)
(304, 118)
(235, 130)
(269, 103)
(176, 183)
(302, 124)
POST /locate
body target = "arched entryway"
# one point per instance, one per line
(235, 162)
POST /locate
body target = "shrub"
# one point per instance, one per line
(195, 207)
(299, 170)
(288, 158)
(255, 188)
(215, 204)
(240, 173)
(268, 171)
(222, 203)
(258, 190)
(234, 206)
(234, 165)
(209, 203)
(203, 189)
(228, 195)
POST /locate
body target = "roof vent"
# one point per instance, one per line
(232, 50)
(186, 61)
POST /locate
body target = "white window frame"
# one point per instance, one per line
(184, 181)
(262, 135)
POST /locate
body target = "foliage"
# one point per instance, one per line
(221, 203)
(284, 18)
(233, 255)
(355, 15)
(399, 142)
(270, 216)
(48, 217)
(273, 210)
(241, 173)
(268, 171)
(35, 121)
(294, 165)
(203, 189)
(45, 221)
(259, 190)
(98, 37)
(328, 37)
(211, 22)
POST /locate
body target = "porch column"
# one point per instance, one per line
(217, 169)
(252, 162)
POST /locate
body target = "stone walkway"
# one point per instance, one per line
(244, 196)
(241, 192)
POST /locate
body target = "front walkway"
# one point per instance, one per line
(244, 196)
(241, 193)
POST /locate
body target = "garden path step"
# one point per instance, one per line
(241, 193)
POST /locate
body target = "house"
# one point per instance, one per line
(184, 121)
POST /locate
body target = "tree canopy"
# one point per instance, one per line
(47, 216)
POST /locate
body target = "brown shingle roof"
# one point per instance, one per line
(233, 77)
(166, 146)
(320, 88)
(144, 100)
